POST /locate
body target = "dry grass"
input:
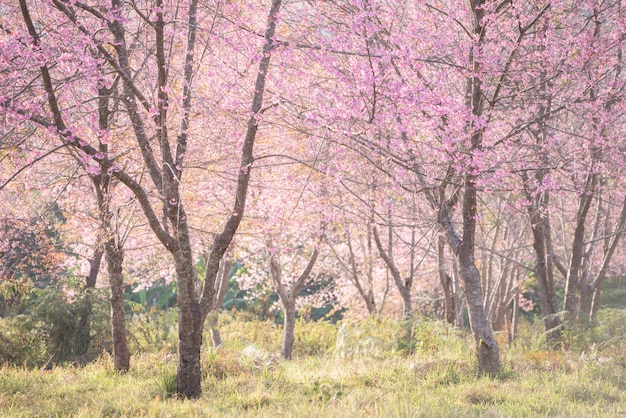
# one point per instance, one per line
(436, 379)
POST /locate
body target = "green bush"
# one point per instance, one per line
(54, 329)
(383, 337)
(373, 337)
(314, 337)
(153, 330)
(240, 329)
(607, 331)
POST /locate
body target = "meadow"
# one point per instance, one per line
(377, 367)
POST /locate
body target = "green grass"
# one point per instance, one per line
(436, 377)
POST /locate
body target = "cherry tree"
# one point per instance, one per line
(287, 289)
(111, 34)
(352, 245)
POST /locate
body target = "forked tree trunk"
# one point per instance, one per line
(574, 271)
(548, 303)
(487, 350)
(288, 296)
(404, 286)
(355, 273)
(193, 313)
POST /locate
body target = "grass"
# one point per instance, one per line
(436, 377)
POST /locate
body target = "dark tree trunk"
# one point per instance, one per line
(188, 374)
(548, 303)
(83, 337)
(487, 349)
(189, 324)
(573, 274)
(289, 309)
(94, 265)
(121, 354)
(192, 313)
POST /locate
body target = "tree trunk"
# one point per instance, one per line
(83, 338)
(188, 377)
(189, 324)
(404, 286)
(216, 337)
(595, 302)
(573, 274)
(192, 313)
(487, 349)
(548, 303)
(121, 354)
(446, 282)
(289, 309)
(595, 286)
(585, 298)
(222, 283)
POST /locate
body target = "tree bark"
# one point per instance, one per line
(83, 338)
(219, 299)
(404, 286)
(446, 282)
(487, 349)
(354, 273)
(189, 326)
(121, 354)
(289, 309)
(188, 376)
(595, 286)
(573, 274)
(540, 228)
(288, 296)
(192, 313)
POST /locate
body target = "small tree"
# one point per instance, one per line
(287, 289)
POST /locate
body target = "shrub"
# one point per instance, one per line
(54, 329)
(381, 337)
(153, 330)
(314, 338)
